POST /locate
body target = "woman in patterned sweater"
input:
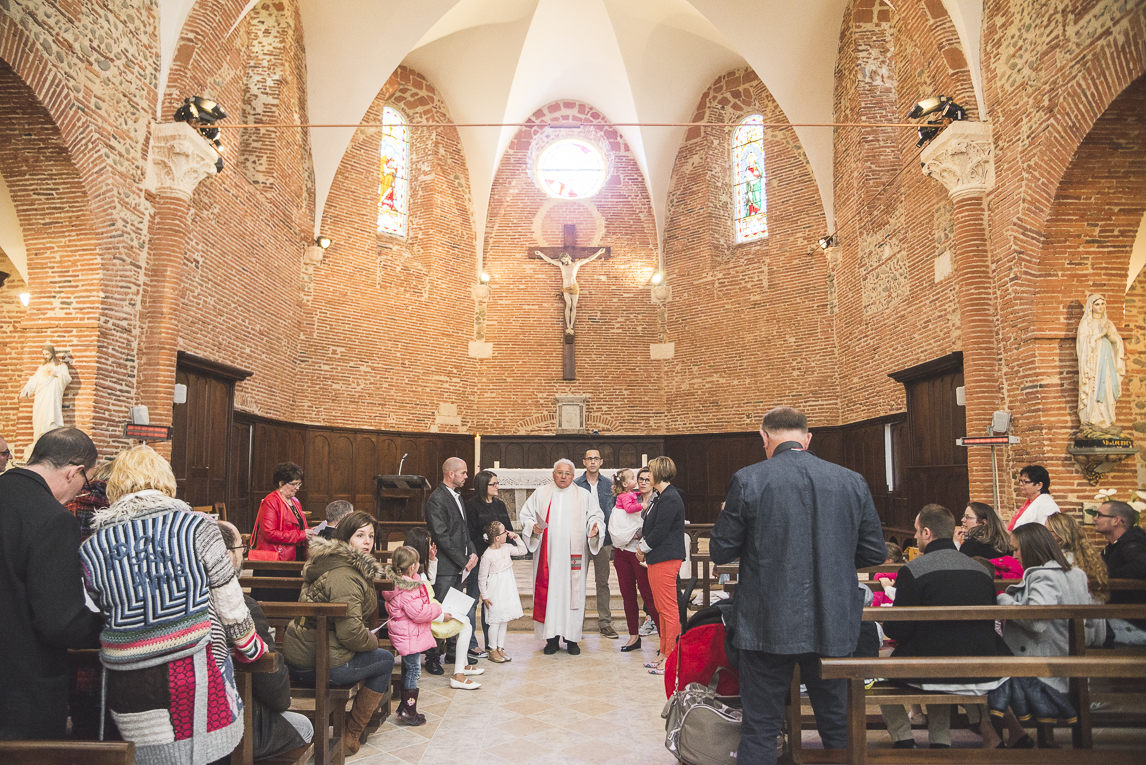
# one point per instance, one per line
(174, 610)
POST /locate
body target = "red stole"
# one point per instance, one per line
(1015, 518)
(541, 581)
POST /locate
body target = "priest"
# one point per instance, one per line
(562, 525)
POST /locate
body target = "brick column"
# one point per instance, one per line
(179, 159)
(961, 159)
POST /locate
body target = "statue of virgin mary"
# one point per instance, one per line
(1101, 367)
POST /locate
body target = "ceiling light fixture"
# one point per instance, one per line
(829, 241)
(323, 241)
(25, 298)
(946, 111)
(483, 278)
(657, 278)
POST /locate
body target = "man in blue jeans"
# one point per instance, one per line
(800, 527)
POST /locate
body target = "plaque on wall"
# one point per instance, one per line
(571, 414)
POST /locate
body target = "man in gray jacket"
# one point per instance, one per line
(446, 520)
(800, 527)
(602, 490)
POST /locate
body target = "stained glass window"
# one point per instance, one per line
(748, 180)
(394, 174)
(571, 169)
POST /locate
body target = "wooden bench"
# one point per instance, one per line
(67, 752)
(244, 753)
(942, 667)
(328, 701)
(294, 567)
(921, 668)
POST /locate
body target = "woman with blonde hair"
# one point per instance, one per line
(1079, 552)
(174, 611)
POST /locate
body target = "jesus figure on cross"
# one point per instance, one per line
(569, 289)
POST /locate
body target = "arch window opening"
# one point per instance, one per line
(394, 174)
(571, 169)
(751, 215)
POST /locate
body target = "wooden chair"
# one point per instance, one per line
(328, 702)
(244, 753)
(221, 509)
(67, 752)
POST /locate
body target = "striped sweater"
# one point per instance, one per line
(160, 573)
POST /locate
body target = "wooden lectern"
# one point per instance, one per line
(392, 494)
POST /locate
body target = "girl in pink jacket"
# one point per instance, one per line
(411, 612)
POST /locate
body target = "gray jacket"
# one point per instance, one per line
(605, 498)
(448, 531)
(800, 527)
(1048, 585)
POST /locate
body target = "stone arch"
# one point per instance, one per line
(64, 269)
(1091, 225)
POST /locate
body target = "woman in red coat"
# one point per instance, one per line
(280, 526)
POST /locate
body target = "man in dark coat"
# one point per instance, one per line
(1125, 558)
(800, 527)
(42, 611)
(446, 520)
(942, 576)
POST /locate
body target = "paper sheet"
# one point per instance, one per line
(319, 528)
(457, 604)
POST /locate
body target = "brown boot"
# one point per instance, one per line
(365, 702)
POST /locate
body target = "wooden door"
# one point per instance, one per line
(936, 469)
(202, 434)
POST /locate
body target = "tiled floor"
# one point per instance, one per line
(599, 707)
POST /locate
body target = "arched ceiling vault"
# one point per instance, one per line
(497, 61)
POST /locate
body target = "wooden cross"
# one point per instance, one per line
(570, 248)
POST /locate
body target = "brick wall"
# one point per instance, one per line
(752, 322)
(524, 317)
(387, 319)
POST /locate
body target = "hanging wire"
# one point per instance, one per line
(567, 125)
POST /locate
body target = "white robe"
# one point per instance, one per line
(47, 386)
(565, 604)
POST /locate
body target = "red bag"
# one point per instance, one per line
(262, 555)
(701, 652)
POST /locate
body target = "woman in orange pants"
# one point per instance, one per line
(662, 548)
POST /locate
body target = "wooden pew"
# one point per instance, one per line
(327, 701)
(1079, 690)
(244, 753)
(294, 567)
(67, 752)
(921, 668)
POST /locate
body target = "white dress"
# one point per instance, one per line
(497, 584)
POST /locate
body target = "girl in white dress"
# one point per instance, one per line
(498, 587)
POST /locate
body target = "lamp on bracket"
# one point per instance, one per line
(945, 110)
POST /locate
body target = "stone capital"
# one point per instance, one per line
(962, 159)
(178, 159)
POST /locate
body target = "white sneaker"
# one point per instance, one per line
(648, 628)
(468, 685)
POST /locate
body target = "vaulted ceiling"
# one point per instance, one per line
(639, 61)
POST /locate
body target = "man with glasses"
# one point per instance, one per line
(1125, 558)
(5, 454)
(602, 491)
(42, 611)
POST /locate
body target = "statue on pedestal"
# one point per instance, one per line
(1101, 367)
(47, 388)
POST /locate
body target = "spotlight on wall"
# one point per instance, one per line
(25, 298)
(657, 278)
(829, 241)
(323, 241)
(945, 110)
(484, 277)
(202, 114)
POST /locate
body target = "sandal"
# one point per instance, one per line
(652, 664)
(656, 671)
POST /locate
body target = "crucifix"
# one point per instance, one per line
(569, 258)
